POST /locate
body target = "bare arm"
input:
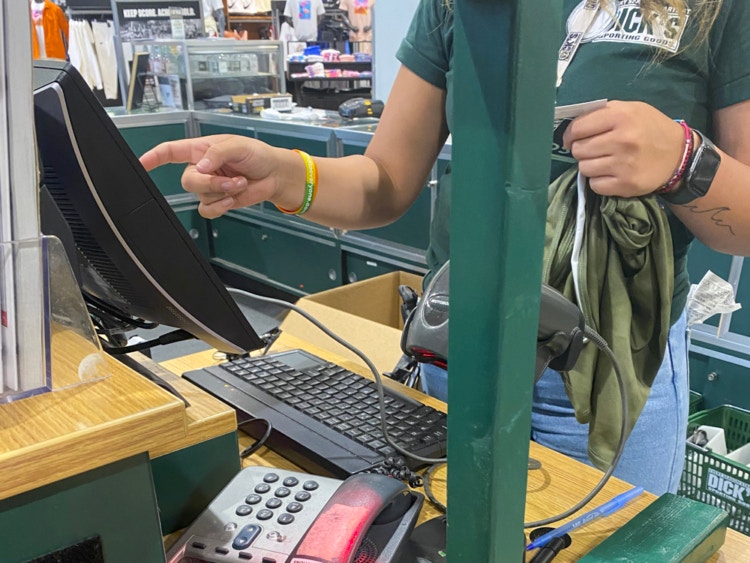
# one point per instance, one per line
(354, 192)
(721, 218)
(631, 149)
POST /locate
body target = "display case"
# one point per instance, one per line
(205, 73)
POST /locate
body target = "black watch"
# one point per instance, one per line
(700, 174)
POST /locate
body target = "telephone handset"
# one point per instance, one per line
(280, 516)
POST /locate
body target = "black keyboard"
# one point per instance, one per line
(326, 419)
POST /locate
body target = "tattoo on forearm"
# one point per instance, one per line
(715, 215)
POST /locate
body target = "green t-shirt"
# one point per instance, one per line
(614, 61)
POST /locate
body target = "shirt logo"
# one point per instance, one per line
(305, 10)
(623, 22)
(361, 7)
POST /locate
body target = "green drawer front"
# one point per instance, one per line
(196, 226)
(305, 265)
(358, 267)
(168, 177)
(413, 228)
(728, 383)
(241, 243)
(211, 129)
(286, 259)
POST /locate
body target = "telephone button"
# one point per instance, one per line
(270, 478)
(245, 555)
(199, 545)
(302, 496)
(264, 514)
(273, 503)
(221, 550)
(293, 507)
(268, 560)
(291, 482)
(285, 518)
(310, 485)
(282, 492)
(243, 510)
(253, 499)
(262, 488)
(246, 537)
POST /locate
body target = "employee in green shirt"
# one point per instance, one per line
(657, 61)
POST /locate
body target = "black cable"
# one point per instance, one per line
(113, 315)
(600, 343)
(178, 335)
(251, 449)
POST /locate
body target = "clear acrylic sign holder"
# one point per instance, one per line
(48, 340)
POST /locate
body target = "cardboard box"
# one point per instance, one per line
(367, 314)
(253, 104)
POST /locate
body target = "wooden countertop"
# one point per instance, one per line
(558, 485)
(88, 424)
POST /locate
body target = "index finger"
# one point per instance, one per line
(183, 151)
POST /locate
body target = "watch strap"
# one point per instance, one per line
(699, 175)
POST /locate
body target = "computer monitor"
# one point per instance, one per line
(126, 246)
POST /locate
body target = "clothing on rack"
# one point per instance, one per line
(82, 54)
(104, 43)
(304, 15)
(248, 7)
(359, 13)
(49, 31)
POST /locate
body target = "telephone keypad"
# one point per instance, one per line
(260, 515)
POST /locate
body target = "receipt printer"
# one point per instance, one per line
(559, 336)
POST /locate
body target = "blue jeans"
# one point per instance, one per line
(655, 451)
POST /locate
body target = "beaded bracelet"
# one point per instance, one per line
(311, 185)
(686, 156)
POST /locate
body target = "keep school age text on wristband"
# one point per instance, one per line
(687, 154)
(311, 185)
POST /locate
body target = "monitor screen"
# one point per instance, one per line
(126, 246)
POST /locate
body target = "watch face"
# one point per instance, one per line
(703, 169)
(699, 177)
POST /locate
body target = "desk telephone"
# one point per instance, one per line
(268, 515)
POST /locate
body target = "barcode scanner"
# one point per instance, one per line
(560, 334)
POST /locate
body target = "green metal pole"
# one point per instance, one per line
(505, 55)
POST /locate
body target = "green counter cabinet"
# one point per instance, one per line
(720, 349)
(299, 261)
(360, 264)
(142, 138)
(106, 514)
(196, 226)
(721, 378)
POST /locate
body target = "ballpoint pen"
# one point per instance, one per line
(606, 509)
